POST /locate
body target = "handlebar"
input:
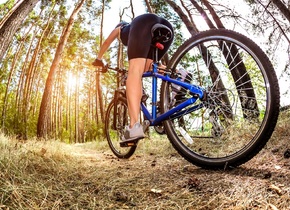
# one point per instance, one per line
(105, 69)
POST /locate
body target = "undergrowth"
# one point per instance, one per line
(54, 175)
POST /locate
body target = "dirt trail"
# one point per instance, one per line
(151, 180)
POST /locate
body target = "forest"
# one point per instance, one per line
(49, 88)
(53, 101)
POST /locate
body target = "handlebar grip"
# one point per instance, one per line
(105, 69)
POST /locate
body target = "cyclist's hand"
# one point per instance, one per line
(98, 62)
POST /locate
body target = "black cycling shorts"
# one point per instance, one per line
(140, 37)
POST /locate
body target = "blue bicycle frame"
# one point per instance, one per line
(196, 92)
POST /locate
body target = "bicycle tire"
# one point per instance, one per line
(241, 106)
(115, 132)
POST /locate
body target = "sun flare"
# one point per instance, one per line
(74, 81)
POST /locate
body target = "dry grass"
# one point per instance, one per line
(54, 175)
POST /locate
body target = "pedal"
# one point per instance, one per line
(129, 144)
(146, 125)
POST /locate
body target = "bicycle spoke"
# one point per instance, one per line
(234, 120)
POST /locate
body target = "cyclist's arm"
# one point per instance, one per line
(113, 35)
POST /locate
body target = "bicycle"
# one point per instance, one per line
(228, 108)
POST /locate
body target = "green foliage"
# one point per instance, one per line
(81, 49)
(93, 130)
(5, 7)
(161, 8)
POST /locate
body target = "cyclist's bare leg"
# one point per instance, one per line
(134, 88)
(148, 64)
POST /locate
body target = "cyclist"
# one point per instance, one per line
(137, 36)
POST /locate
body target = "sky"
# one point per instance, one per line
(112, 15)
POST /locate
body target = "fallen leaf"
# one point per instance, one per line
(42, 151)
(193, 183)
(156, 191)
(273, 207)
(276, 189)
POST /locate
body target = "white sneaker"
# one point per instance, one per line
(134, 133)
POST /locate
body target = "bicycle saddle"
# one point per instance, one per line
(161, 33)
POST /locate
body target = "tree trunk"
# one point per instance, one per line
(283, 9)
(46, 98)
(98, 83)
(203, 14)
(215, 17)
(190, 27)
(189, 14)
(22, 94)
(148, 6)
(11, 74)
(77, 107)
(10, 12)
(13, 22)
(275, 20)
(238, 70)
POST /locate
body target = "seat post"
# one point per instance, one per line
(155, 55)
(154, 83)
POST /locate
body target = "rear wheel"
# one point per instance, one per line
(116, 119)
(241, 106)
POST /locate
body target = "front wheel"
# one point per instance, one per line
(238, 114)
(115, 122)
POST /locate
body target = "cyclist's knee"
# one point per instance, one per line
(137, 66)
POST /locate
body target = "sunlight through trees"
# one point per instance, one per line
(50, 89)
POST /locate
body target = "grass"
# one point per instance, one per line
(54, 175)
